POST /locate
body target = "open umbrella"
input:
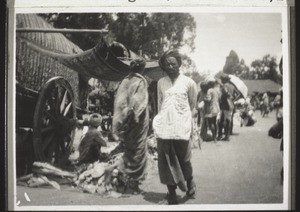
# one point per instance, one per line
(239, 84)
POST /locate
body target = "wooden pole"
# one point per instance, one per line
(55, 30)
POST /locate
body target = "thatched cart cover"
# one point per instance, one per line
(33, 68)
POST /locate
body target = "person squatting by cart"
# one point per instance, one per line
(92, 141)
(177, 95)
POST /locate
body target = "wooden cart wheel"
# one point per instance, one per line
(54, 121)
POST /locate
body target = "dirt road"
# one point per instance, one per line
(244, 170)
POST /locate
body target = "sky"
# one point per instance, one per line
(250, 35)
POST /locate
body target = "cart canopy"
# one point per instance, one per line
(106, 62)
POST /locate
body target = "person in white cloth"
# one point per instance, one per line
(177, 96)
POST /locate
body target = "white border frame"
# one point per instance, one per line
(19, 7)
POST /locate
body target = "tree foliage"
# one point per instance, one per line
(265, 68)
(148, 33)
(189, 69)
(152, 33)
(235, 66)
(81, 21)
(232, 63)
(195, 75)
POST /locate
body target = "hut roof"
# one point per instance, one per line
(261, 86)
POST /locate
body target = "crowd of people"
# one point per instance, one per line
(266, 102)
(178, 103)
(215, 108)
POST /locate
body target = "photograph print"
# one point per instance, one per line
(149, 109)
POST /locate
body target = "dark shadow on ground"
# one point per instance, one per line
(234, 134)
(160, 198)
(184, 199)
(153, 197)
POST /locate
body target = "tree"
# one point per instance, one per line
(81, 21)
(270, 63)
(127, 29)
(148, 33)
(266, 68)
(232, 63)
(189, 69)
(153, 33)
(243, 70)
(195, 75)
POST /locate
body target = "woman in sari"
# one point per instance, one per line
(131, 122)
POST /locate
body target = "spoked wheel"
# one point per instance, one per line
(54, 121)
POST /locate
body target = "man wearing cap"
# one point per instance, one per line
(177, 96)
(131, 122)
(90, 145)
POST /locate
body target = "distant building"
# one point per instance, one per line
(261, 86)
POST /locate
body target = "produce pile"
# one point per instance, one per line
(46, 174)
(90, 177)
(91, 180)
(152, 147)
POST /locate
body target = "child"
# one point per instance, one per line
(90, 145)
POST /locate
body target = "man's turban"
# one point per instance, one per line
(137, 65)
(169, 53)
(95, 120)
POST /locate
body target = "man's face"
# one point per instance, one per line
(172, 67)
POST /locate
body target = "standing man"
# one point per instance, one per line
(265, 99)
(201, 107)
(213, 108)
(177, 95)
(226, 107)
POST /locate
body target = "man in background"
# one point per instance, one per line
(226, 107)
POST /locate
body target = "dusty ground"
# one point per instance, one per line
(244, 170)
